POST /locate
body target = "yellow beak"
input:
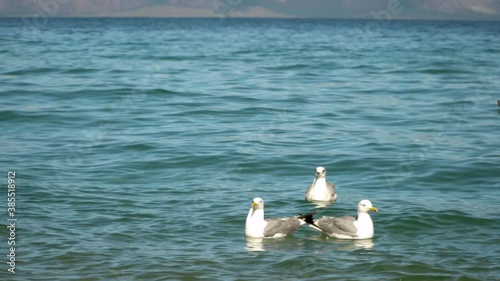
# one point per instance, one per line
(374, 209)
(254, 204)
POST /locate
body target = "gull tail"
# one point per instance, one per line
(308, 218)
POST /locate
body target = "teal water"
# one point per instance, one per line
(139, 144)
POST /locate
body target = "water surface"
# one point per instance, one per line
(139, 144)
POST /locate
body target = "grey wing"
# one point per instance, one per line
(341, 225)
(309, 189)
(282, 226)
(331, 188)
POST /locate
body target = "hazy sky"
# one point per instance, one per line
(402, 9)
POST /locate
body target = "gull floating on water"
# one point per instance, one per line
(320, 189)
(347, 227)
(258, 227)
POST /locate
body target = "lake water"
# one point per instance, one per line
(138, 145)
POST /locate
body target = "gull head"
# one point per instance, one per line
(320, 172)
(257, 203)
(366, 206)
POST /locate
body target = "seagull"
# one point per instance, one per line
(258, 227)
(320, 189)
(347, 227)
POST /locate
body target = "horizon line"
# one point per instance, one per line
(243, 17)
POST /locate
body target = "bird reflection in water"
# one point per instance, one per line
(254, 244)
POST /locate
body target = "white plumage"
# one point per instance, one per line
(320, 189)
(348, 227)
(258, 227)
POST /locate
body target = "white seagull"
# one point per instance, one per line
(258, 227)
(320, 189)
(347, 227)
